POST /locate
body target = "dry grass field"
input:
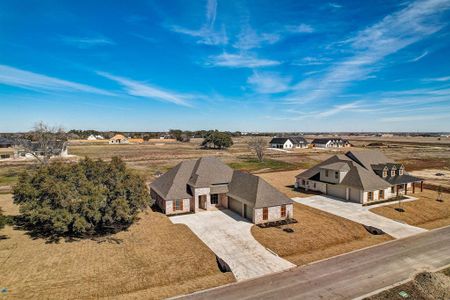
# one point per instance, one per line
(317, 235)
(154, 259)
(425, 212)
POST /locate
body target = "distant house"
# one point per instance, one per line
(7, 150)
(359, 176)
(26, 148)
(207, 183)
(92, 138)
(288, 142)
(119, 139)
(330, 143)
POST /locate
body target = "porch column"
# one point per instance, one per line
(406, 188)
(421, 186)
(414, 187)
(398, 187)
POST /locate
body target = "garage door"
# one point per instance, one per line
(355, 195)
(235, 206)
(336, 191)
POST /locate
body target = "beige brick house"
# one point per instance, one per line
(207, 183)
(362, 176)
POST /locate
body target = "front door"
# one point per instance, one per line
(202, 201)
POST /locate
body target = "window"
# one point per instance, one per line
(369, 196)
(392, 189)
(265, 213)
(283, 211)
(393, 173)
(303, 182)
(214, 199)
(336, 175)
(314, 185)
(400, 171)
(384, 173)
(177, 205)
(381, 194)
(326, 173)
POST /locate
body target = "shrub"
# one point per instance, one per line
(87, 198)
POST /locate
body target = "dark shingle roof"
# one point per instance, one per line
(255, 190)
(208, 171)
(358, 175)
(326, 140)
(278, 140)
(298, 140)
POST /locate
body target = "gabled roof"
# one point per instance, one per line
(118, 137)
(360, 176)
(326, 140)
(5, 141)
(209, 171)
(278, 140)
(298, 140)
(255, 190)
(294, 139)
(367, 158)
(172, 184)
(337, 166)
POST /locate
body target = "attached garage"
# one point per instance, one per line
(355, 195)
(248, 211)
(336, 191)
(235, 206)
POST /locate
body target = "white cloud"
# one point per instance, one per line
(301, 28)
(339, 108)
(249, 39)
(419, 57)
(87, 42)
(243, 60)
(206, 34)
(135, 88)
(438, 79)
(416, 118)
(334, 5)
(269, 82)
(38, 82)
(393, 33)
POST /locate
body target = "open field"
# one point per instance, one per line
(317, 235)
(425, 212)
(154, 259)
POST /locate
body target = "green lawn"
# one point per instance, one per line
(9, 175)
(252, 164)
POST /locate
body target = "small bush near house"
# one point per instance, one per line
(87, 198)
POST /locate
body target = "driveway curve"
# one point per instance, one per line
(228, 236)
(360, 214)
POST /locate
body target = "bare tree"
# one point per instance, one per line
(45, 142)
(259, 145)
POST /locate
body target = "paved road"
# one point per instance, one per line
(360, 214)
(228, 235)
(347, 276)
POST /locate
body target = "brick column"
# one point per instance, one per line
(421, 186)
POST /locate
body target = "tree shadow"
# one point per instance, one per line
(39, 231)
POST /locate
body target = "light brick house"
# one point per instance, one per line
(359, 176)
(207, 183)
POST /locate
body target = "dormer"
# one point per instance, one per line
(401, 170)
(393, 169)
(385, 172)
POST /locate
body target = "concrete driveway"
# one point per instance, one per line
(360, 214)
(229, 236)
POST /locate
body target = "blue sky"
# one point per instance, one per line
(232, 65)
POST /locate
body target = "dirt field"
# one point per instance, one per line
(154, 259)
(425, 212)
(317, 235)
